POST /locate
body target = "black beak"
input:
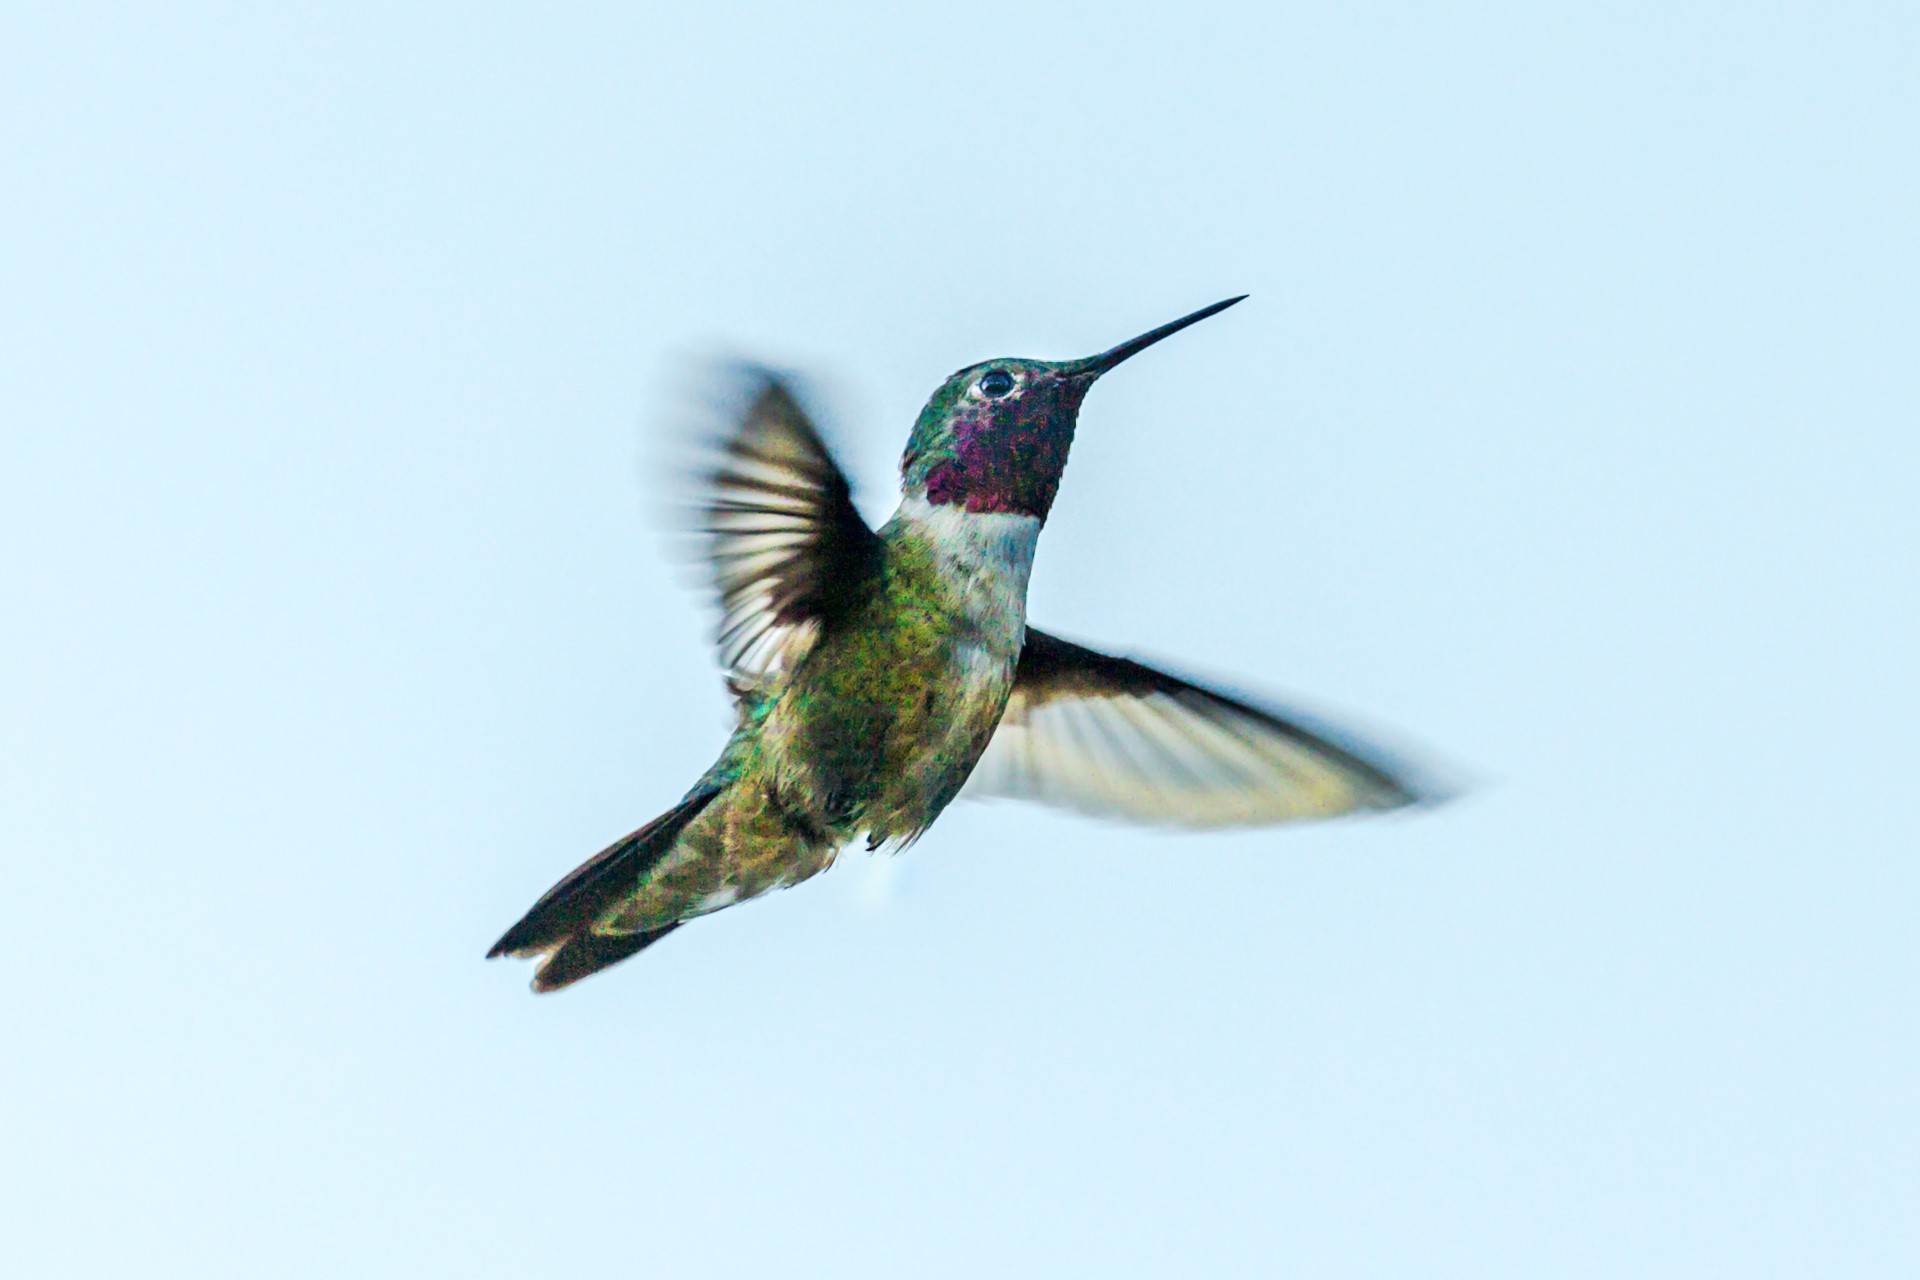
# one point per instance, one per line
(1093, 366)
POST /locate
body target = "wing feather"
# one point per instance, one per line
(1117, 738)
(786, 548)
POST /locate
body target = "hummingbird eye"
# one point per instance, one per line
(995, 383)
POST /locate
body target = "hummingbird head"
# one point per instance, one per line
(995, 436)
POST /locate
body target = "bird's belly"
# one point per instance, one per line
(957, 718)
(887, 715)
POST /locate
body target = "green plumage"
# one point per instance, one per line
(873, 671)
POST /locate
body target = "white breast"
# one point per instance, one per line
(987, 556)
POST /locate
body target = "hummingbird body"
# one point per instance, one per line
(877, 727)
(876, 672)
(884, 717)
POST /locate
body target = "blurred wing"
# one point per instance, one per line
(787, 548)
(1116, 738)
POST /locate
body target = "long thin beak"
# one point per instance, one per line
(1093, 366)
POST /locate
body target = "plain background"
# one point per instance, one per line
(1570, 431)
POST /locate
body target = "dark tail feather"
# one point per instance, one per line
(566, 912)
(589, 952)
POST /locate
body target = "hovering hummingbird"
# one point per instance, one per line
(877, 672)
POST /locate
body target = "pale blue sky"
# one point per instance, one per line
(1570, 429)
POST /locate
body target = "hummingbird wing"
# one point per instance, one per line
(1116, 738)
(786, 546)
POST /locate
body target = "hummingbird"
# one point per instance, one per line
(877, 673)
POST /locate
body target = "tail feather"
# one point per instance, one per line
(565, 915)
(588, 952)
